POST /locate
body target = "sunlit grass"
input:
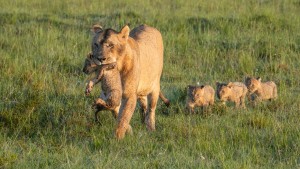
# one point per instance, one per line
(47, 122)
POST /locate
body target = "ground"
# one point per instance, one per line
(47, 122)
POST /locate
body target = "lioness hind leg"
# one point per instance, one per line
(150, 117)
(143, 101)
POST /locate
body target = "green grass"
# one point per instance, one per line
(47, 122)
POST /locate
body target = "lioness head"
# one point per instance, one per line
(225, 91)
(108, 45)
(253, 83)
(195, 92)
(89, 65)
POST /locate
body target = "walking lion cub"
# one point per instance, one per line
(202, 96)
(233, 91)
(259, 91)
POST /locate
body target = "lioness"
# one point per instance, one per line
(199, 96)
(90, 66)
(259, 91)
(139, 57)
(233, 91)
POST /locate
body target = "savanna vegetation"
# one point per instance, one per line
(46, 121)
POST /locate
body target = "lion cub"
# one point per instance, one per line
(233, 91)
(199, 96)
(259, 91)
(111, 95)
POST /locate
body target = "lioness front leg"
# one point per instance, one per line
(127, 108)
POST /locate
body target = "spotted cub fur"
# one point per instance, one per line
(259, 91)
(199, 96)
(233, 91)
(111, 94)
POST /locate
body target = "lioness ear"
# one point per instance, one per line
(202, 86)
(97, 29)
(125, 32)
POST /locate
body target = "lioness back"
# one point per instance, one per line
(151, 47)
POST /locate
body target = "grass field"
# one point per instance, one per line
(47, 122)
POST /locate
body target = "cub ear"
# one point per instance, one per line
(191, 88)
(247, 79)
(230, 84)
(124, 33)
(259, 79)
(97, 28)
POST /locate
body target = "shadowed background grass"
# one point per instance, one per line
(47, 122)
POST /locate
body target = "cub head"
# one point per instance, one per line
(219, 86)
(109, 45)
(195, 92)
(89, 65)
(253, 83)
(225, 91)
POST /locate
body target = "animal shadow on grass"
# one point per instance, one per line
(268, 106)
(163, 109)
(217, 109)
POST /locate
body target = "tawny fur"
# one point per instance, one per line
(233, 91)
(259, 91)
(199, 96)
(111, 93)
(139, 57)
(90, 67)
